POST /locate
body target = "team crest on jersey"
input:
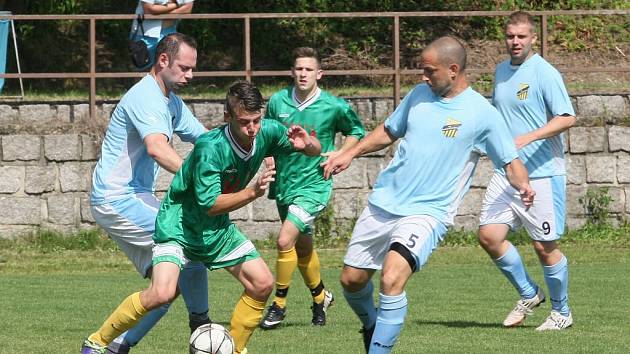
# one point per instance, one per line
(522, 91)
(450, 128)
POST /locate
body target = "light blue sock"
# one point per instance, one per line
(389, 322)
(557, 279)
(362, 303)
(137, 332)
(193, 285)
(511, 265)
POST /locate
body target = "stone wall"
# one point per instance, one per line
(45, 177)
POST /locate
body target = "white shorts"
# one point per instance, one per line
(544, 221)
(376, 230)
(131, 223)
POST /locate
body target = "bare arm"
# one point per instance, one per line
(517, 175)
(348, 143)
(157, 9)
(228, 202)
(555, 126)
(162, 152)
(378, 139)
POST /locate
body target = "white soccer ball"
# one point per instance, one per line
(211, 338)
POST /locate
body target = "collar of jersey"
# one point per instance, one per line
(309, 101)
(240, 152)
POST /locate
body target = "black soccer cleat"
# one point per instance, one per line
(274, 317)
(319, 310)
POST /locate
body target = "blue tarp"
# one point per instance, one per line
(4, 38)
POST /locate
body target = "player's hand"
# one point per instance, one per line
(521, 141)
(331, 154)
(267, 176)
(270, 163)
(298, 137)
(527, 196)
(336, 164)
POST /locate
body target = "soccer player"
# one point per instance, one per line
(441, 125)
(136, 145)
(300, 190)
(193, 222)
(531, 97)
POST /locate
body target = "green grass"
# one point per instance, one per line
(51, 299)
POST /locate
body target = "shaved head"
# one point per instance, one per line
(449, 51)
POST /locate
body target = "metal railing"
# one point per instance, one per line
(396, 72)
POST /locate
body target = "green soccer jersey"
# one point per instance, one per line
(216, 165)
(322, 115)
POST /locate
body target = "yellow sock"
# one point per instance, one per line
(127, 315)
(310, 269)
(285, 266)
(245, 319)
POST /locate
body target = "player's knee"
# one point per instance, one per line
(285, 243)
(263, 286)
(352, 281)
(158, 296)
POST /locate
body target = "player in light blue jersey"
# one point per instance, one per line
(531, 97)
(136, 145)
(442, 125)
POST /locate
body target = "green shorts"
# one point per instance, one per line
(302, 213)
(236, 250)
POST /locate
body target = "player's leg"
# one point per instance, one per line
(285, 266)
(162, 290)
(365, 254)
(193, 285)
(497, 216)
(258, 283)
(545, 225)
(308, 263)
(413, 239)
(131, 223)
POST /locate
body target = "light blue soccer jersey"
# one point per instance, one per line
(125, 168)
(437, 152)
(527, 96)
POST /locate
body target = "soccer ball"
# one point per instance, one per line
(211, 338)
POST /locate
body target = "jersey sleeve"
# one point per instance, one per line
(206, 175)
(186, 126)
(495, 140)
(349, 123)
(396, 123)
(555, 94)
(149, 118)
(277, 134)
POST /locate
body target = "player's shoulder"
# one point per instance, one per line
(327, 97)
(282, 94)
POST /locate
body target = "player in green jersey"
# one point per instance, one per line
(193, 222)
(300, 190)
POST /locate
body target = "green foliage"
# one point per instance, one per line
(596, 204)
(354, 42)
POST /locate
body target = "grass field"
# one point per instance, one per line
(50, 301)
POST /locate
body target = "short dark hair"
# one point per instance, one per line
(305, 52)
(244, 95)
(171, 43)
(449, 50)
(519, 17)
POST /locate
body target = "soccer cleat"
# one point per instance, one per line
(556, 321)
(367, 337)
(275, 316)
(89, 347)
(118, 348)
(319, 310)
(196, 320)
(524, 308)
